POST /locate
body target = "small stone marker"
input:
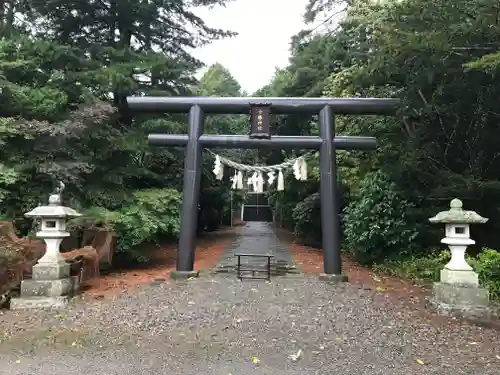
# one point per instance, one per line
(51, 284)
(458, 293)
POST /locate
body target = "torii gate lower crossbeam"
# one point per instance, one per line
(327, 143)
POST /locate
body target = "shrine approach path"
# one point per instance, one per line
(218, 325)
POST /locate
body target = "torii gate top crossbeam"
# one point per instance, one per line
(218, 105)
(278, 141)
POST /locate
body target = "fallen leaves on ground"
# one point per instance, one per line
(296, 357)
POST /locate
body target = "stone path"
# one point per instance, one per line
(257, 238)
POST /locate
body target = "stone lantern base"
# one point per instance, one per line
(51, 286)
(468, 301)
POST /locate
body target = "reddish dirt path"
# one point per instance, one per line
(209, 249)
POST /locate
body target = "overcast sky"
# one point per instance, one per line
(265, 28)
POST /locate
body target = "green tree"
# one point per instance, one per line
(440, 58)
(215, 198)
(65, 70)
(44, 115)
(218, 81)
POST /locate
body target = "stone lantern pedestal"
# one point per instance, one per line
(51, 284)
(458, 293)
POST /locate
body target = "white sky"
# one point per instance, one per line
(264, 27)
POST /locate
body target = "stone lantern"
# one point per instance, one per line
(458, 293)
(51, 284)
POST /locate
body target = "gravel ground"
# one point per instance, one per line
(218, 325)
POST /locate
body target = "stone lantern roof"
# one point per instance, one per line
(456, 215)
(54, 209)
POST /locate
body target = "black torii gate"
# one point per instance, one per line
(260, 110)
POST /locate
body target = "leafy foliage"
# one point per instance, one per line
(147, 217)
(441, 60)
(306, 216)
(423, 267)
(65, 71)
(487, 265)
(218, 81)
(150, 216)
(379, 225)
(427, 267)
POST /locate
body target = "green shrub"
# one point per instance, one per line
(420, 268)
(487, 265)
(150, 215)
(379, 224)
(94, 217)
(212, 202)
(428, 267)
(307, 217)
(284, 203)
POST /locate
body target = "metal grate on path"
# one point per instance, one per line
(258, 238)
